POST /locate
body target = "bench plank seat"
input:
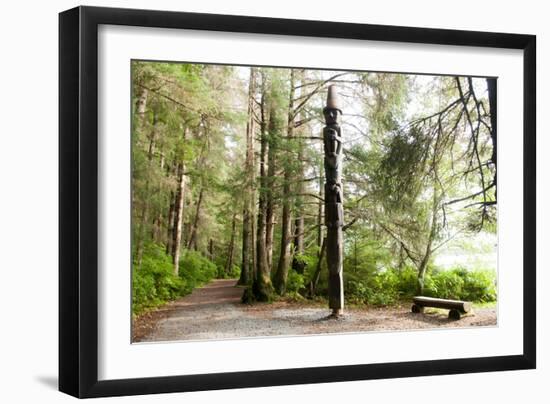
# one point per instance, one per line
(456, 307)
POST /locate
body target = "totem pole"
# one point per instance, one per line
(334, 212)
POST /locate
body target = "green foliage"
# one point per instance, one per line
(409, 153)
(401, 176)
(391, 286)
(232, 274)
(295, 282)
(480, 286)
(305, 264)
(196, 270)
(154, 282)
(445, 285)
(306, 260)
(379, 289)
(407, 282)
(459, 283)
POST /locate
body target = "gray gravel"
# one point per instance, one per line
(215, 312)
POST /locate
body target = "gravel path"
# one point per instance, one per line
(215, 312)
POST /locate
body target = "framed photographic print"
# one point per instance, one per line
(251, 201)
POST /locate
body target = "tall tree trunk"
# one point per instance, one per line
(211, 250)
(298, 265)
(286, 235)
(402, 258)
(299, 234)
(320, 208)
(246, 245)
(299, 229)
(170, 222)
(145, 208)
(231, 248)
(281, 275)
(178, 219)
(141, 104)
(492, 90)
(192, 244)
(270, 209)
(262, 287)
(254, 230)
(157, 228)
(178, 212)
(270, 228)
(156, 232)
(186, 228)
(249, 190)
(316, 276)
(423, 265)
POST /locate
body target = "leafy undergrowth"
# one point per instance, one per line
(154, 282)
(392, 287)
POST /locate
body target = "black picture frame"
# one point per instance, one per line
(78, 201)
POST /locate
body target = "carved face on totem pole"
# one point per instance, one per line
(334, 212)
(332, 116)
(332, 138)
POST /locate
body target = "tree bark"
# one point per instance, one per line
(145, 208)
(249, 190)
(244, 278)
(262, 287)
(178, 212)
(192, 244)
(422, 267)
(270, 199)
(298, 264)
(299, 229)
(211, 250)
(141, 102)
(270, 228)
(281, 275)
(254, 231)
(286, 234)
(156, 233)
(178, 219)
(320, 210)
(317, 275)
(170, 222)
(275, 134)
(231, 248)
(492, 90)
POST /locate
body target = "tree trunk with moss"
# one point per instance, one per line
(270, 208)
(262, 287)
(178, 211)
(285, 256)
(423, 265)
(231, 247)
(248, 200)
(192, 244)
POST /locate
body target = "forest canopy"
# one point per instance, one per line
(227, 182)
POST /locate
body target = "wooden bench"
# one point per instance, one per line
(456, 307)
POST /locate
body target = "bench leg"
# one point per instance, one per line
(454, 314)
(417, 309)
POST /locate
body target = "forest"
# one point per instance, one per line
(228, 183)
